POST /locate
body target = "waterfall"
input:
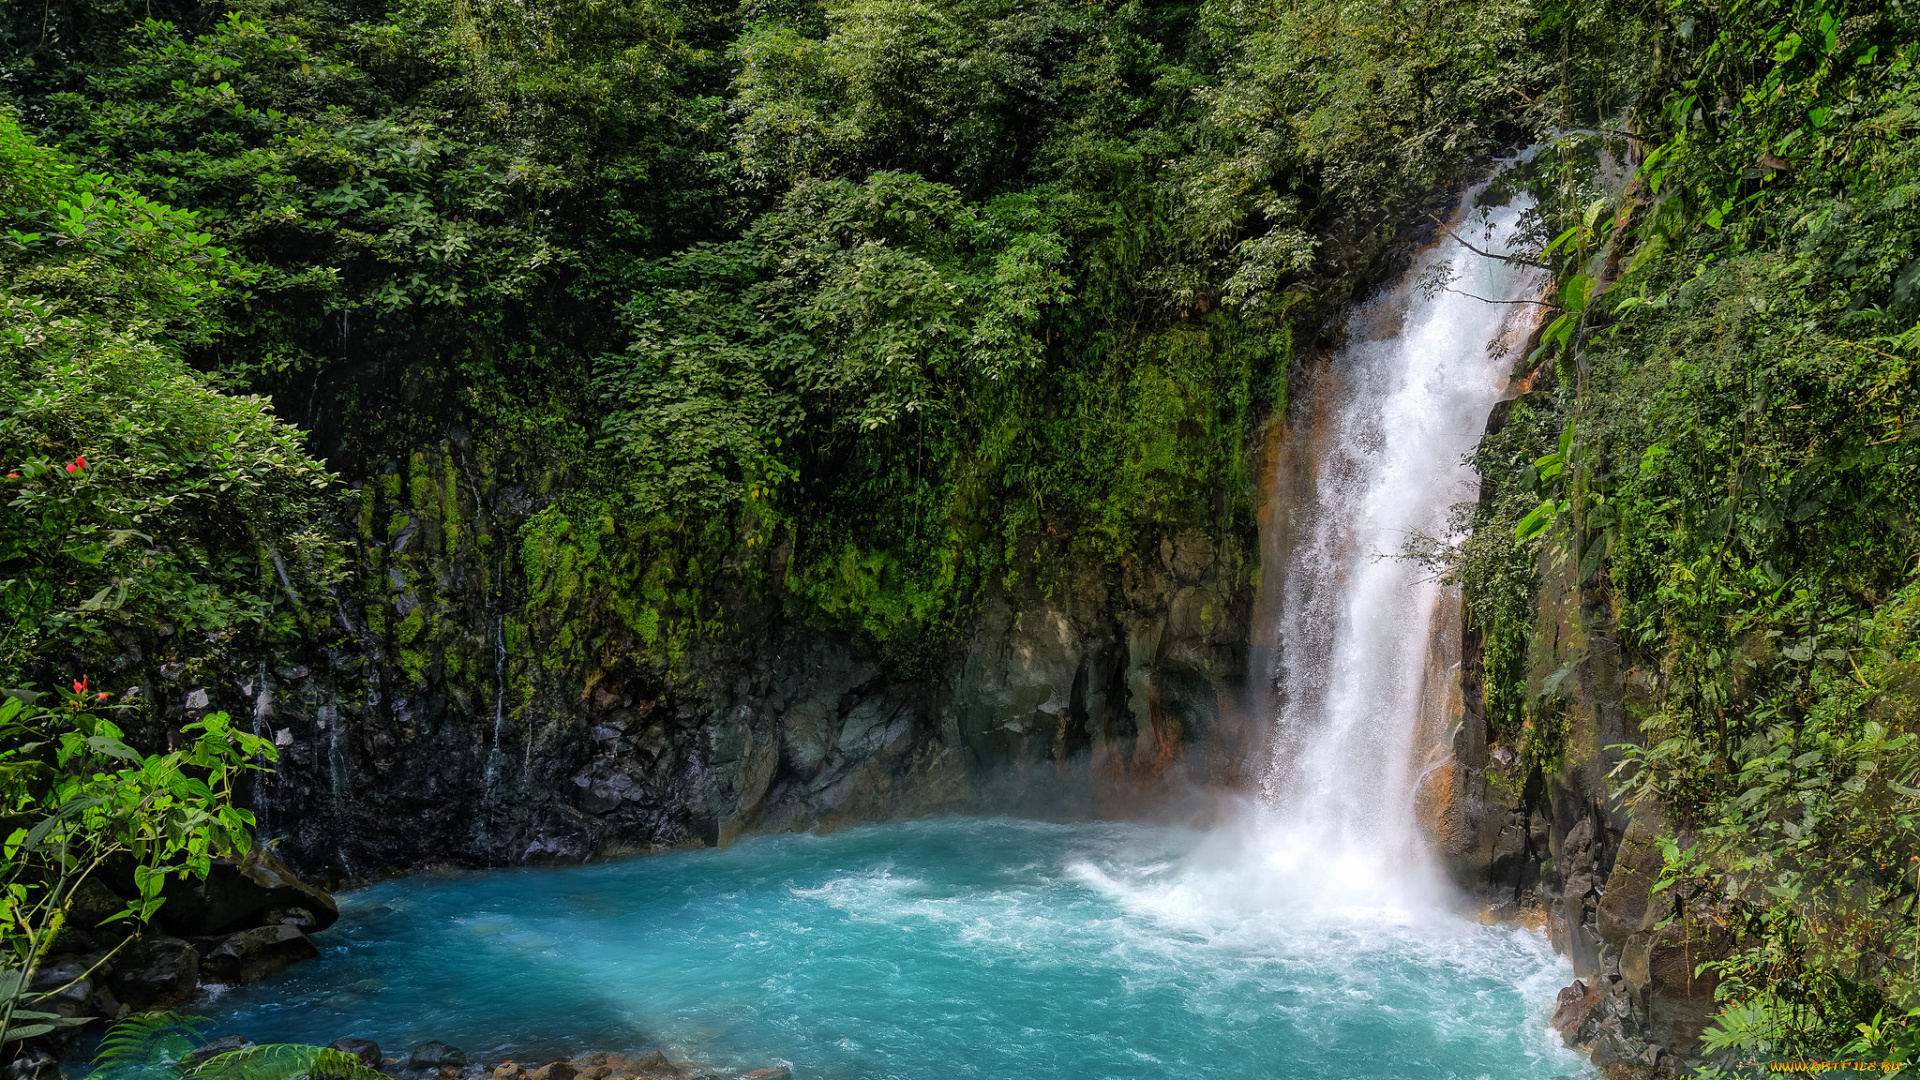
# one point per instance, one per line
(1374, 456)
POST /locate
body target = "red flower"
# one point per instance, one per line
(101, 696)
(82, 462)
(72, 468)
(80, 687)
(13, 476)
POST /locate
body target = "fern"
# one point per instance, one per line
(282, 1061)
(156, 1046)
(150, 1046)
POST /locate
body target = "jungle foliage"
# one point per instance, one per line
(907, 301)
(80, 805)
(164, 1045)
(1734, 489)
(138, 497)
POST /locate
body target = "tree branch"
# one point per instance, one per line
(1521, 259)
(1484, 300)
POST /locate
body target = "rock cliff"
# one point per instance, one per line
(439, 717)
(1551, 844)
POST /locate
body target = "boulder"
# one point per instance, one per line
(63, 985)
(435, 1054)
(554, 1070)
(252, 955)
(92, 903)
(33, 1063)
(292, 916)
(366, 1050)
(1572, 1010)
(225, 1044)
(649, 1063)
(103, 1003)
(239, 895)
(156, 971)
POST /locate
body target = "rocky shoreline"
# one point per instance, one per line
(441, 1061)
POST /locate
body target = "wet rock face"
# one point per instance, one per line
(1659, 966)
(1069, 701)
(452, 706)
(1088, 696)
(1556, 844)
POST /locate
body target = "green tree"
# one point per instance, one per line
(75, 798)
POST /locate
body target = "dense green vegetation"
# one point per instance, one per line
(138, 496)
(870, 308)
(1735, 492)
(906, 301)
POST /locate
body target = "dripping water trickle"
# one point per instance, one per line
(497, 610)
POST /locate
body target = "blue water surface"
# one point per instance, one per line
(947, 948)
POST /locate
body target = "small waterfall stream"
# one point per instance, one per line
(1373, 459)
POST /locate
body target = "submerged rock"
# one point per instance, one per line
(649, 1063)
(643, 1065)
(435, 1054)
(225, 1044)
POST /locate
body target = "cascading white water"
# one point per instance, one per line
(1377, 453)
